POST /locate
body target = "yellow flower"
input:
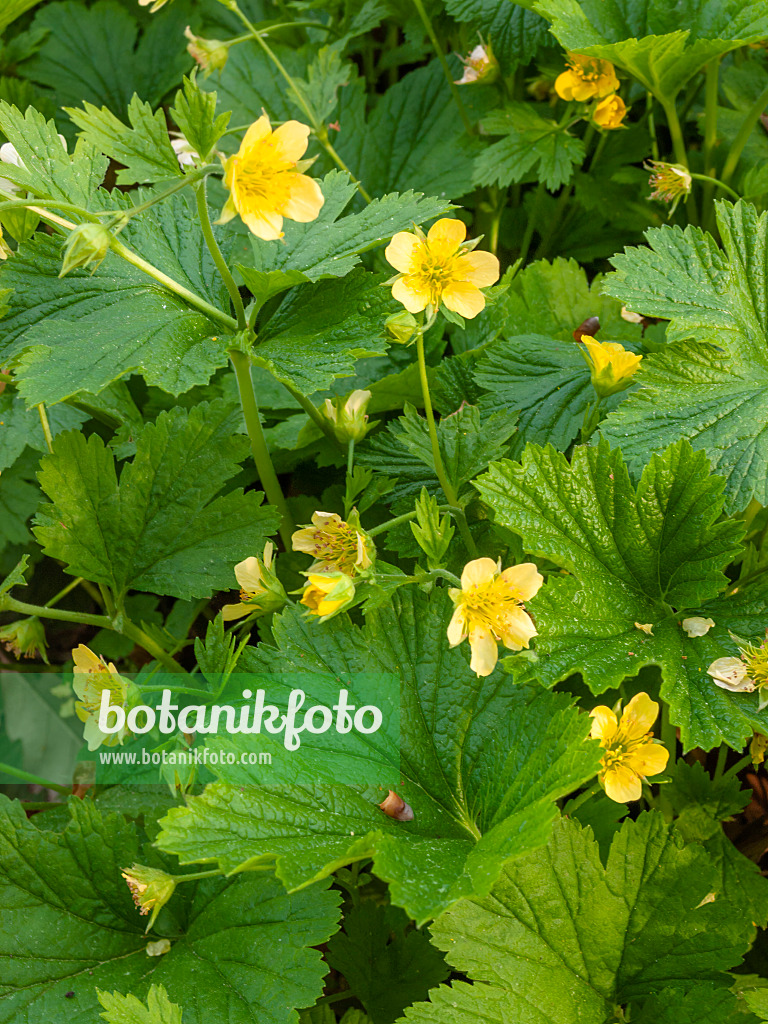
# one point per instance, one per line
(151, 889)
(327, 593)
(92, 676)
(489, 610)
(610, 112)
(266, 182)
(746, 673)
(347, 415)
(587, 78)
(631, 754)
(260, 589)
(610, 365)
(334, 544)
(439, 270)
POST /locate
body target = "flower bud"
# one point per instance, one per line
(401, 327)
(611, 366)
(610, 112)
(326, 594)
(348, 416)
(24, 638)
(210, 54)
(151, 889)
(87, 244)
(480, 67)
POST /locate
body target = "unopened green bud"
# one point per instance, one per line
(401, 327)
(87, 244)
(151, 889)
(210, 54)
(348, 417)
(25, 638)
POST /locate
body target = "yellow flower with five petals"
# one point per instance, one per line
(611, 366)
(587, 78)
(631, 754)
(610, 112)
(440, 269)
(335, 544)
(266, 182)
(489, 610)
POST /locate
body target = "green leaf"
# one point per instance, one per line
(14, 9)
(564, 939)
(532, 144)
(757, 1001)
(649, 555)
(70, 926)
(144, 147)
(386, 964)
(516, 35)
(19, 497)
(129, 1010)
(250, 82)
(22, 426)
(83, 332)
(713, 389)
(195, 114)
(162, 528)
(49, 172)
(91, 53)
(413, 138)
(325, 76)
(320, 330)
(330, 246)
(467, 445)
(646, 40)
(15, 577)
(686, 1006)
(481, 785)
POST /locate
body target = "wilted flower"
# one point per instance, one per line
(260, 589)
(92, 676)
(697, 626)
(151, 889)
(631, 754)
(587, 78)
(610, 112)
(439, 269)
(156, 4)
(10, 155)
(670, 182)
(611, 366)
(480, 67)
(489, 610)
(348, 417)
(335, 544)
(185, 154)
(401, 327)
(266, 182)
(87, 245)
(746, 673)
(5, 252)
(327, 593)
(757, 748)
(210, 54)
(24, 638)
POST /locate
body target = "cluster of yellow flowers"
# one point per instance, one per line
(590, 79)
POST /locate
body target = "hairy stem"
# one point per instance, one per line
(218, 258)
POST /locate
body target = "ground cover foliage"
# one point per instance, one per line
(347, 341)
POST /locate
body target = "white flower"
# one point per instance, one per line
(731, 674)
(185, 154)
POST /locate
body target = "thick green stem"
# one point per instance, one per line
(135, 633)
(242, 365)
(444, 63)
(442, 476)
(36, 780)
(46, 427)
(350, 455)
(734, 153)
(191, 178)
(716, 182)
(722, 757)
(218, 258)
(652, 126)
(681, 154)
(10, 604)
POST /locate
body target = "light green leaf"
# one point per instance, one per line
(320, 330)
(646, 39)
(481, 783)
(144, 147)
(14, 9)
(195, 114)
(162, 528)
(564, 939)
(330, 246)
(714, 389)
(693, 1004)
(532, 144)
(15, 577)
(91, 53)
(129, 1010)
(49, 172)
(70, 926)
(325, 76)
(757, 1001)
(649, 555)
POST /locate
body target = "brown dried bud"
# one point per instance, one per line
(395, 807)
(590, 327)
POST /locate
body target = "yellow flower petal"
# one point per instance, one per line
(230, 612)
(305, 200)
(257, 132)
(446, 235)
(412, 296)
(517, 629)
(650, 759)
(479, 268)
(485, 653)
(457, 627)
(263, 223)
(465, 299)
(477, 572)
(622, 784)
(524, 580)
(402, 251)
(248, 575)
(639, 716)
(604, 724)
(290, 141)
